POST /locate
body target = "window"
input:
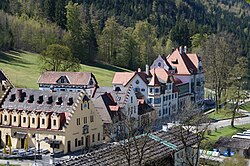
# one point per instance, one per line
(14, 119)
(128, 109)
(151, 90)
(78, 121)
(43, 121)
(91, 118)
(159, 64)
(150, 100)
(82, 140)
(85, 120)
(156, 90)
(5, 117)
(131, 99)
(76, 142)
(134, 109)
(143, 90)
(166, 98)
(160, 112)
(137, 89)
(131, 110)
(175, 95)
(33, 120)
(24, 119)
(157, 101)
(54, 122)
(169, 97)
(79, 142)
(98, 137)
(93, 137)
(137, 81)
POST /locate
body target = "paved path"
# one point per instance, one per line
(223, 123)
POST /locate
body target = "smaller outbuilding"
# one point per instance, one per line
(237, 145)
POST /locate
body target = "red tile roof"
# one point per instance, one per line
(75, 78)
(154, 80)
(122, 77)
(161, 73)
(182, 63)
(194, 58)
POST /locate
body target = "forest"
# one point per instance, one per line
(120, 32)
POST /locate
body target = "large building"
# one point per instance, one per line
(188, 69)
(68, 81)
(156, 87)
(67, 119)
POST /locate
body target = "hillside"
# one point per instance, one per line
(23, 69)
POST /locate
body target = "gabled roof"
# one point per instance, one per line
(3, 77)
(74, 78)
(50, 101)
(154, 80)
(181, 61)
(236, 143)
(165, 60)
(195, 59)
(122, 78)
(102, 109)
(161, 73)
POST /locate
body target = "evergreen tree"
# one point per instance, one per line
(49, 9)
(60, 13)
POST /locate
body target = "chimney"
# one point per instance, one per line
(147, 69)
(180, 49)
(139, 70)
(19, 95)
(50, 100)
(185, 49)
(40, 99)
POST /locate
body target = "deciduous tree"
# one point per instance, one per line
(220, 52)
(58, 58)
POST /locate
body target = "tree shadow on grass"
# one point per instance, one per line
(13, 57)
(106, 66)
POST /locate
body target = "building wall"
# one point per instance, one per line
(74, 129)
(141, 86)
(131, 106)
(159, 62)
(37, 131)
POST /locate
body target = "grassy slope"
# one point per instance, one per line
(23, 69)
(222, 114)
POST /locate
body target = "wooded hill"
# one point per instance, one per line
(136, 31)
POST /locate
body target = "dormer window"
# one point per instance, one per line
(59, 101)
(12, 97)
(63, 80)
(175, 61)
(40, 100)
